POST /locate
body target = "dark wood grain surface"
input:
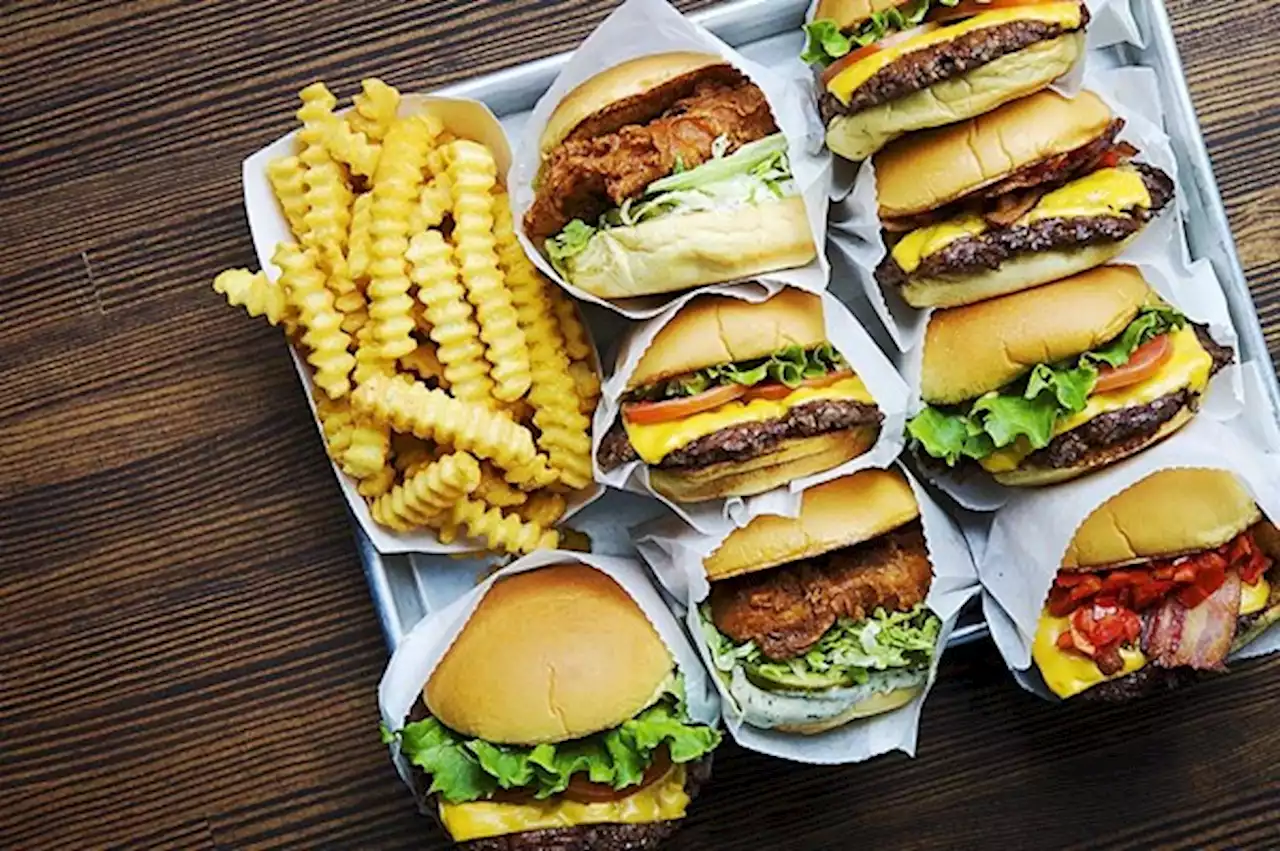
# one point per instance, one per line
(189, 656)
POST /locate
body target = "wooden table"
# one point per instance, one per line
(189, 656)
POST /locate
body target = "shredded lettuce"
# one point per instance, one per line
(790, 366)
(1030, 408)
(825, 43)
(463, 769)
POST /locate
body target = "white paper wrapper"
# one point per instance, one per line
(713, 516)
(1030, 534)
(268, 226)
(418, 653)
(645, 27)
(676, 554)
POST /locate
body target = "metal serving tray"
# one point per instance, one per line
(762, 29)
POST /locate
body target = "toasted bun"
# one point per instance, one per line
(877, 704)
(679, 252)
(1013, 275)
(792, 459)
(632, 92)
(549, 655)
(839, 513)
(986, 87)
(713, 329)
(847, 14)
(1032, 477)
(981, 347)
(920, 172)
(1168, 513)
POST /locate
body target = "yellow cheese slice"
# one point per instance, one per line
(1067, 15)
(922, 242)
(1105, 192)
(655, 441)
(1254, 598)
(1067, 673)
(664, 800)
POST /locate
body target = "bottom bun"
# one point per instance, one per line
(877, 704)
(1024, 477)
(794, 458)
(1020, 273)
(986, 87)
(679, 252)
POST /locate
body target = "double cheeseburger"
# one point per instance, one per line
(733, 398)
(890, 68)
(556, 720)
(1161, 582)
(1045, 385)
(665, 173)
(819, 620)
(1033, 192)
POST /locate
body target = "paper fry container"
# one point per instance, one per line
(466, 119)
(641, 28)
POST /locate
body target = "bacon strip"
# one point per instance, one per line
(1198, 637)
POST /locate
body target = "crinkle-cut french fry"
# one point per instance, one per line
(372, 487)
(588, 384)
(286, 177)
(576, 341)
(328, 196)
(396, 185)
(544, 508)
(428, 493)
(451, 325)
(472, 175)
(327, 343)
(410, 406)
(506, 532)
(344, 144)
(435, 202)
(255, 293)
(336, 423)
(425, 363)
(359, 239)
(375, 109)
(495, 491)
(536, 474)
(369, 448)
(369, 360)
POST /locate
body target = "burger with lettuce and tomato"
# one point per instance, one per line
(888, 68)
(733, 398)
(1050, 383)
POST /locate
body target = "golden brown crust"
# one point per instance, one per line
(981, 347)
(849, 13)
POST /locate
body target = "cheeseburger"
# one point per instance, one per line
(819, 620)
(1037, 190)
(890, 68)
(556, 720)
(1162, 581)
(733, 398)
(1045, 385)
(665, 173)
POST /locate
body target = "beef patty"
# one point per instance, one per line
(920, 69)
(972, 254)
(746, 440)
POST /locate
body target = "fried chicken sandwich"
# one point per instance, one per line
(665, 173)
(815, 621)
(1160, 584)
(1035, 191)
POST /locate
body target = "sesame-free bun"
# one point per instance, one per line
(839, 513)
(549, 655)
(848, 14)
(877, 704)
(926, 170)
(714, 329)
(1169, 513)
(981, 347)
(794, 458)
(980, 90)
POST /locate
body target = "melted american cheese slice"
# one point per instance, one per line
(1254, 598)
(654, 442)
(1187, 367)
(664, 800)
(843, 85)
(1067, 673)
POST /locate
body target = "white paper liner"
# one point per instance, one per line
(418, 653)
(268, 226)
(641, 28)
(843, 332)
(676, 555)
(1031, 533)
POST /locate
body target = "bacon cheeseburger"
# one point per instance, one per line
(664, 173)
(733, 398)
(1045, 385)
(1162, 581)
(556, 720)
(891, 67)
(1037, 190)
(816, 621)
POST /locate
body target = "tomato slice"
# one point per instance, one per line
(853, 58)
(775, 390)
(969, 8)
(583, 791)
(645, 413)
(1145, 362)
